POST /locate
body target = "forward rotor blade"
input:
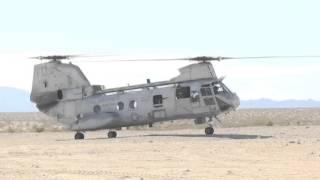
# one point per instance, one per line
(268, 57)
(55, 57)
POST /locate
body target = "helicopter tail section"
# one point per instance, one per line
(53, 80)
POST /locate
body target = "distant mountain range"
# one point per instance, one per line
(17, 100)
(268, 103)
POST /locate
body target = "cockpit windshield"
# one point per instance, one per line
(214, 88)
(219, 87)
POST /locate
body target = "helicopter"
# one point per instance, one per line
(61, 90)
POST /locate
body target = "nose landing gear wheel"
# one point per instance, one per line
(78, 136)
(112, 134)
(209, 131)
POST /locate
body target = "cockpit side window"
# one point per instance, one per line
(225, 88)
(206, 90)
(183, 92)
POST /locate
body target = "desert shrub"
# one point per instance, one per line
(2, 124)
(269, 123)
(38, 128)
(11, 129)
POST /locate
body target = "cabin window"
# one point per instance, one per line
(183, 92)
(133, 104)
(96, 109)
(120, 106)
(60, 94)
(157, 100)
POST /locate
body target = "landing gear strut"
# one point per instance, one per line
(209, 131)
(112, 134)
(78, 136)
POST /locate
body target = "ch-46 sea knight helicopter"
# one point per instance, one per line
(61, 90)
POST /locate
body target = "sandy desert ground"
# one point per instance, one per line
(278, 152)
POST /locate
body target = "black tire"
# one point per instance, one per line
(209, 131)
(78, 136)
(112, 134)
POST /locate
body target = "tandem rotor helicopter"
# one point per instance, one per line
(62, 91)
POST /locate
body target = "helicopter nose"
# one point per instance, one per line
(236, 101)
(228, 101)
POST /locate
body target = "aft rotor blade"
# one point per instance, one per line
(208, 58)
(68, 57)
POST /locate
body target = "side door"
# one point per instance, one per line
(207, 97)
(183, 104)
(158, 112)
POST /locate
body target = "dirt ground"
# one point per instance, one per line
(291, 152)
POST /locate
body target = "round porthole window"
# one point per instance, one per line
(132, 104)
(120, 106)
(96, 109)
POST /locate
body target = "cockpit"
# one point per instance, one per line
(217, 87)
(214, 93)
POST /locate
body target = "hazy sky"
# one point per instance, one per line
(167, 28)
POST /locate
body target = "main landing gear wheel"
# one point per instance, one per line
(209, 131)
(112, 134)
(78, 136)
